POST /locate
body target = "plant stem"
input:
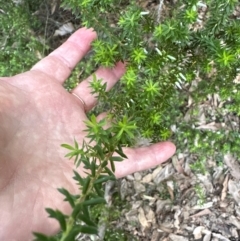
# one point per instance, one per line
(71, 220)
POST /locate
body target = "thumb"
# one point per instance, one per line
(143, 158)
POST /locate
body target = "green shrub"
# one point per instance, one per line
(20, 48)
(164, 58)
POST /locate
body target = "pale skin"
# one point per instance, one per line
(37, 115)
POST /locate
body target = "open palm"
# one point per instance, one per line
(37, 115)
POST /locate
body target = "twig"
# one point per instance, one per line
(159, 11)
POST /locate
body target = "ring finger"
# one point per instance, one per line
(108, 75)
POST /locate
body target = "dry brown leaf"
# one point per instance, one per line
(139, 187)
(204, 206)
(237, 79)
(54, 5)
(150, 215)
(165, 228)
(177, 165)
(218, 175)
(170, 187)
(142, 219)
(225, 187)
(176, 217)
(164, 174)
(64, 29)
(233, 220)
(201, 213)
(220, 237)
(213, 126)
(234, 190)
(131, 216)
(206, 180)
(155, 236)
(156, 171)
(123, 189)
(233, 165)
(162, 205)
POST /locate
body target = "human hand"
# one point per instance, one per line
(37, 115)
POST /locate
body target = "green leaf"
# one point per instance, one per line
(86, 184)
(69, 197)
(151, 89)
(98, 189)
(73, 234)
(86, 220)
(86, 212)
(104, 179)
(78, 178)
(125, 127)
(107, 170)
(76, 144)
(93, 167)
(99, 151)
(43, 237)
(86, 162)
(88, 229)
(77, 209)
(80, 229)
(94, 201)
(68, 147)
(120, 151)
(112, 165)
(138, 55)
(116, 158)
(104, 164)
(58, 215)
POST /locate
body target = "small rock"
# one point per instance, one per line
(197, 232)
(156, 171)
(136, 204)
(142, 219)
(207, 236)
(234, 232)
(137, 176)
(237, 210)
(148, 178)
(223, 204)
(131, 216)
(130, 177)
(163, 205)
(176, 217)
(233, 189)
(123, 189)
(150, 215)
(164, 174)
(234, 221)
(204, 206)
(139, 188)
(175, 237)
(205, 179)
(155, 236)
(219, 237)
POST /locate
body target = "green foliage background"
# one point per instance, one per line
(164, 56)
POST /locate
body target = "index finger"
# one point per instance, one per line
(60, 63)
